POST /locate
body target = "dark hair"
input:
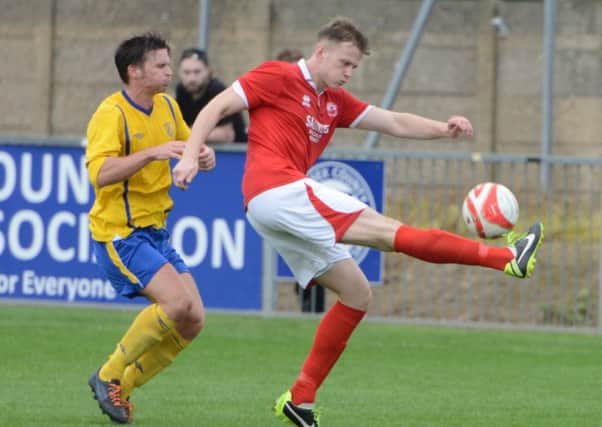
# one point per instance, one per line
(195, 53)
(133, 51)
(289, 55)
(341, 29)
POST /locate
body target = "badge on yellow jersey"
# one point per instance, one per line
(169, 129)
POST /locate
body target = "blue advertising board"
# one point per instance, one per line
(45, 246)
(45, 251)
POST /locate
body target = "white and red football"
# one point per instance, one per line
(490, 210)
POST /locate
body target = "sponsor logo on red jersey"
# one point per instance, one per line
(315, 128)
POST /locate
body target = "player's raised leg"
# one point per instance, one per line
(437, 246)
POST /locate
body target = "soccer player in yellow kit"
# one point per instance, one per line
(131, 138)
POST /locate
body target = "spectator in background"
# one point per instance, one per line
(312, 298)
(289, 55)
(196, 88)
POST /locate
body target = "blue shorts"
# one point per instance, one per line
(130, 263)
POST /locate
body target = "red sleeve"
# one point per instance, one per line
(262, 85)
(352, 109)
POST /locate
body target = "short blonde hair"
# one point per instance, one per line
(342, 29)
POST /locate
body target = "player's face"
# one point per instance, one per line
(338, 62)
(155, 73)
(194, 74)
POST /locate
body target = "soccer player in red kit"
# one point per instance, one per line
(294, 110)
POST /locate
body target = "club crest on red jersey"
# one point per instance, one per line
(331, 109)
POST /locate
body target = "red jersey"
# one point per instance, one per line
(290, 123)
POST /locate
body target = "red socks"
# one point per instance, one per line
(331, 338)
(336, 327)
(441, 247)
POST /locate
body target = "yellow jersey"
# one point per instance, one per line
(120, 127)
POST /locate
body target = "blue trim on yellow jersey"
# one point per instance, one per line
(127, 152)
(173, 112)
(136, 106)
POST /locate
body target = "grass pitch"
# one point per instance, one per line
(390, 375)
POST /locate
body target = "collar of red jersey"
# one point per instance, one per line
(305, 71)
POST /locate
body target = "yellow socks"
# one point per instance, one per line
(148, 329)
(152, 362)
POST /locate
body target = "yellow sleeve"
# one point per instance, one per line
(105, 139)
(182, 129)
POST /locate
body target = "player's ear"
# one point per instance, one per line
(134, 70)
(320, 49)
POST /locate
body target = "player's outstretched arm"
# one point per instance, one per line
(117, 169)
(406, 125)
(224, 104)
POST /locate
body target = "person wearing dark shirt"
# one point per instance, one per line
(196, 88)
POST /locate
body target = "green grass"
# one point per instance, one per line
(390, 375)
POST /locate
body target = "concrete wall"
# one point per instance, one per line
(56, 63)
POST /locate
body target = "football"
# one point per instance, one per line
(490, 210)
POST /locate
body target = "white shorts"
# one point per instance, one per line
(303, 221)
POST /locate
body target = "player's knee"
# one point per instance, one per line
(365, 297)
(359, 298)
(196, 320)
(178, 308)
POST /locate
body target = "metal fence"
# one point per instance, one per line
(426, 189)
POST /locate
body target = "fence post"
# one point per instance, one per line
(599, 326)
(268, 279)
(403, 64)
(547, 97)
(204, 18)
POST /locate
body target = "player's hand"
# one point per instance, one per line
(206, 158)
(169, 150)
(458, 125)
(184, 172)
